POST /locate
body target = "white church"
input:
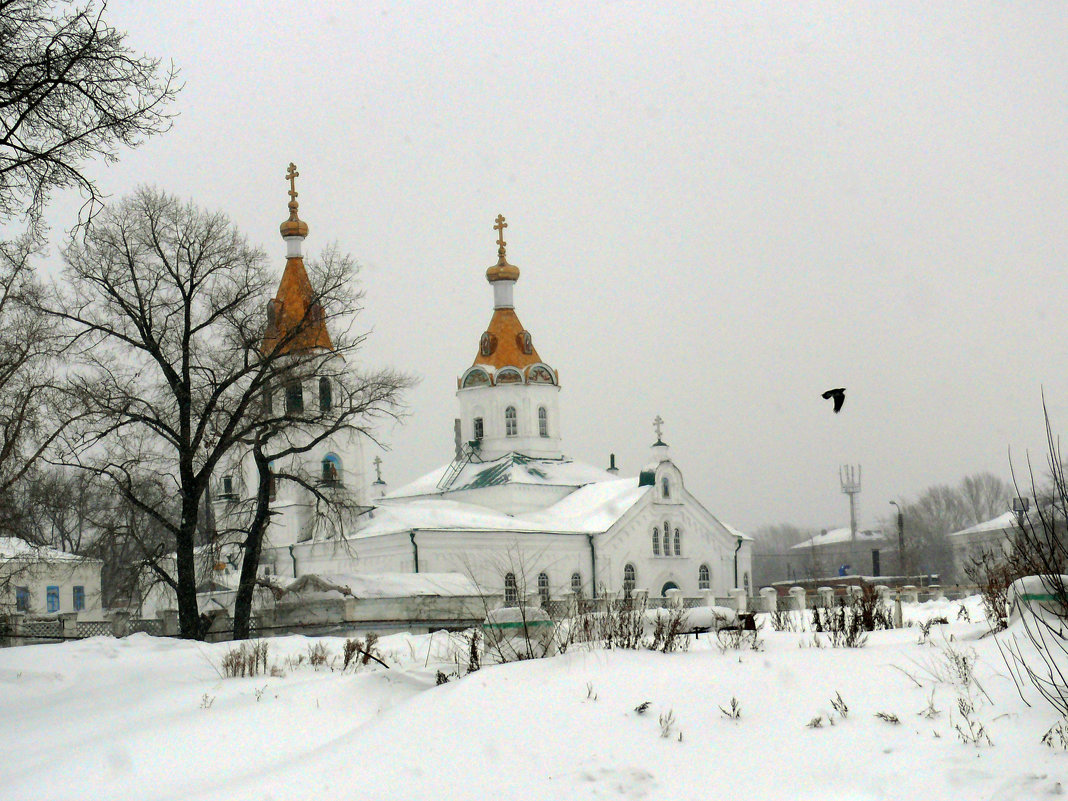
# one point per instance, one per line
(512, 511)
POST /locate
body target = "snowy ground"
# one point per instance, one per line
(144, 718)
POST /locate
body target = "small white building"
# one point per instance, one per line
(41, 581)
(841, 551)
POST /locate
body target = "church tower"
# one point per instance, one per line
(509, 397)
(296, 326)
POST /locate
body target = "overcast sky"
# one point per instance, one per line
(719, 212)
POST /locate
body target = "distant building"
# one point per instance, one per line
(838, 553)
(43, 581)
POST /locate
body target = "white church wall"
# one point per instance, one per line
(490, 403)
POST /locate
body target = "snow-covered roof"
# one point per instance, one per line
(381, 585)
(838, 536)
(14, 548)
(593, 508)
(512, 468)
(734, 531)
(1004, 521)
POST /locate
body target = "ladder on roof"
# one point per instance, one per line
(458, 465)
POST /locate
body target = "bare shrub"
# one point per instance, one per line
(667, 723)
(888, 717)
(992, 573)
(735, 710)
(318, 654)
(839, 705)
(248, 659)
(358, 652)
(736, 639)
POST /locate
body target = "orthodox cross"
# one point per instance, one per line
(291, 176)
(658, 423)
(499, 228)
(378, 468)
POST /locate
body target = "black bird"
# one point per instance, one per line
(839, 398)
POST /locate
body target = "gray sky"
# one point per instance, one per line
(719, 211)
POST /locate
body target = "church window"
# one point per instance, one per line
(665, 487)
(487, 344)
(576, 583)
(745, 582)
(331, 467)
(678, 543)
(272, 483)
(629, 579)
(79, 598)
(22, 599)
(228, 487)
(543, 421)
(268, 400)
(543, 589)
(326, 395)
(704, 581)
(511, 427)
(511, 594)
(656, 541)
(526, 344)
(667, 539)
(52, 598)
(479, 428)
(294, 397)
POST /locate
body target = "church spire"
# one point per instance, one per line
(293, 230)
(502, 275)
(295, 320)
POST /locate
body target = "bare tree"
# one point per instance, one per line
(70, 91)
(166, 304)
(942, 510)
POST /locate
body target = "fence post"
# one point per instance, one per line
(826, 596)
(170, 622)
(120, 622)
(68, 625)
(936, 592)
(910, 594)
(17, 621)
(640, 599)
(770, 596)
(855, 592)
(674, 599)
(741, 600)
(883, 592)
(897, 611)
(798, 594)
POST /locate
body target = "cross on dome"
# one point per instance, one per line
(291, 176)
(499, 228)
(378, 469)
(658, 423)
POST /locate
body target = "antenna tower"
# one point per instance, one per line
(849, 478)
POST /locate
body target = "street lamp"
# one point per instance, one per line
(900, 535)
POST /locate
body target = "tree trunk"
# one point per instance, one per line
(253, 546)
(188, 613)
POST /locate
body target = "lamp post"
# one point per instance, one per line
(900, 535)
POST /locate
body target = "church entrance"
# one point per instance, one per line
(671, 585)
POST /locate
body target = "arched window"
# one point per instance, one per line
(704, 579)
(543, 421)
(294, 397)
(227, 487)
(678, 543)
(656, 541)
(665, 487)
(479, 429)
(543, 589)
(268, 400)
(511, 594)
(667, 539)
(629, 579)
(510, 426)
(576, 583)
(331, 467)
(326, 395)
(745, 582)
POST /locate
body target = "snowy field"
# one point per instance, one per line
(145, 718)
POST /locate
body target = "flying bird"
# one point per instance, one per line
(839, 398)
